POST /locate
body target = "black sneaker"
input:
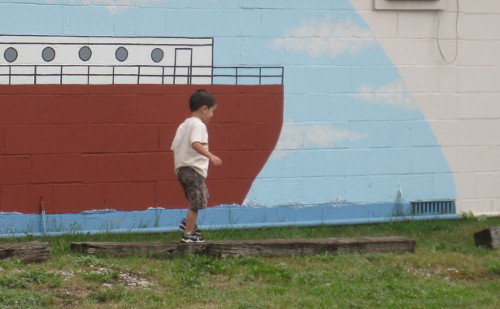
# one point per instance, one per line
(182, 226)
(191, 238)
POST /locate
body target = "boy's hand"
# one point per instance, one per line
(216, 161)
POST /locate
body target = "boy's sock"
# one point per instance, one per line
(182, 226)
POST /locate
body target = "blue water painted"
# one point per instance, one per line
(157, 220)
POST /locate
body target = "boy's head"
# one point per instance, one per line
(200, 98)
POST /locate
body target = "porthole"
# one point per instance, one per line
(121, 54)
(85, 53)
(157, 55)
(10, 54)
(48, 54)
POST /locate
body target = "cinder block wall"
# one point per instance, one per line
(460, 98)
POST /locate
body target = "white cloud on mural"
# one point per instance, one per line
(393, 94)
(111, 5)
(318, 37)
(298, 136)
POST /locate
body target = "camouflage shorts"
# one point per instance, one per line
(194, 187)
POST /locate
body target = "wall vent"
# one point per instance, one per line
(414, 5)
(433, 207)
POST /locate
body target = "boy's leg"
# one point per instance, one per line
(191, 217)
(196, 192)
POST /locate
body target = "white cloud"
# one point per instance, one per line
(394, 94)
(112, 5)
(297, 136)
(318, 37)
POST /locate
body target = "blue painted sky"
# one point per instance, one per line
(352, 131)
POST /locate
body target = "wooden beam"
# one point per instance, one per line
(266, 248)
(32, 251)
(489, 238)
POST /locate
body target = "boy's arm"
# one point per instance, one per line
(203, 151)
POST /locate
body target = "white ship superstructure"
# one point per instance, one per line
(121, 60)
(105, 60)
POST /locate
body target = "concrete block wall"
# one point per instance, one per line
(461, 98)
(372, 109)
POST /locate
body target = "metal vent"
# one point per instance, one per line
(433, 207)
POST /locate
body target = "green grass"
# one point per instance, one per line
(447, 270)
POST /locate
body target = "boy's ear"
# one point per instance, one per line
(204, 108)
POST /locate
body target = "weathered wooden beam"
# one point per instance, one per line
(32, 251)
(122, 249)
(266, 248)
(489, 238)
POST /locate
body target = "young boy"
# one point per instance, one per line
(191, 159)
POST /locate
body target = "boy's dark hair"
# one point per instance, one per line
(199, 98)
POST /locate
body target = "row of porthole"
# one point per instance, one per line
(85, 53)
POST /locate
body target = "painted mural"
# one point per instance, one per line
(315, 121)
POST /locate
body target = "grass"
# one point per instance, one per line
(446, 270)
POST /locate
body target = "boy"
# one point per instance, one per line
(191, 159)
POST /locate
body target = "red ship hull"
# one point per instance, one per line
(88, 147)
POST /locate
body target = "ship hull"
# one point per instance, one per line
(75, 148)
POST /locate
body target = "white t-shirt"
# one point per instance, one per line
(190, 131)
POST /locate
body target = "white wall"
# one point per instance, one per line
(459, 97)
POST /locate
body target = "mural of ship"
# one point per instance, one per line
(86, 123)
